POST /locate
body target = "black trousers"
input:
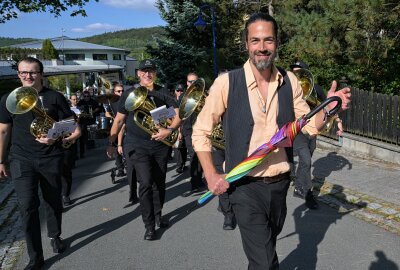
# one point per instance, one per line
(260, 210)
(196, 172)
(151, 170)
(119, 163)
(180, 154)
(130, 170)
(304, 146)
(225, 205)
(28, 175)
(68, 163)
(83, 140)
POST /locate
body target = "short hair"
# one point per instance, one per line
(118, 84)
(32, 60)
(73, 95)
(260, 16)
(193, 74)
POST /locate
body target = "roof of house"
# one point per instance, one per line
(66, 43)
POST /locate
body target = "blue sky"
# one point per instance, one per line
(103, 16)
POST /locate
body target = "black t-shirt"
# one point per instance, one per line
(135, 135)
(22, 141)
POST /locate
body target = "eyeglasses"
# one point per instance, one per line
(30, 73)
(119, 91)
(191, 81)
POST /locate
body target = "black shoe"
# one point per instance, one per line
(180, 169)
(299, 193)
(150, 234)
(35, 264)
(66, 200)
(57, 245)
(229, 223)
(133, 199)
(311, 202)
(121, 173)
(161, 223)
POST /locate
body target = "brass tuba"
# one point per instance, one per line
(192, 102)
(309, 94)
(24, 99)
(138, 102)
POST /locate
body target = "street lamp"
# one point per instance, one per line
(200, 24)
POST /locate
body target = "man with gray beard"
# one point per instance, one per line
(254, 102)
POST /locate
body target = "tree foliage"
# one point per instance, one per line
(9, 9)
(356, 39)
(48, 50)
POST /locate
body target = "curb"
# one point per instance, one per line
(376, 211)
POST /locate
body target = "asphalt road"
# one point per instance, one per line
(104, 232)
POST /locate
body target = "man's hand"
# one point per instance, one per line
(161, 134)
(344, 94)
(110, 151)
(217, 183)
(3, 172)
(45, 140)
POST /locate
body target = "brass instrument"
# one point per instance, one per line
(24, 99)
(138, 102)
(310, 95)
(192, 102)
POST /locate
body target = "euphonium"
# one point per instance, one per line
(309, 94)
(192, 102)
(138, 102)
(24, 99)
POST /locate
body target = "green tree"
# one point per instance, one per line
(48, 50)
(9, 9)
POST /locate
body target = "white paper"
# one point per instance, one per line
(162, 113)
(62, 128)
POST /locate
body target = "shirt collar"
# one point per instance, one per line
(251, 81)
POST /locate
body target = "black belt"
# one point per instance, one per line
(269, 179)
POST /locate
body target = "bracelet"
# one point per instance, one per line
(119, 145)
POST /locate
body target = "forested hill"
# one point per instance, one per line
(5, 41)
(134, 40)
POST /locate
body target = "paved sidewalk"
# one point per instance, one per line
(370, 187)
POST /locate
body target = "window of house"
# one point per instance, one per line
(117, 56)
(74, 56)
(100, 56)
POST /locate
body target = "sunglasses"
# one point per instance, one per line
(119, 91)
(191, 81)
(179, 90)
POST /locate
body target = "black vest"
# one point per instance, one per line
(238, 121)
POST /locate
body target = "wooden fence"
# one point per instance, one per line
(372, 115)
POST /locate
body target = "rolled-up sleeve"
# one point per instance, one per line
(301, 107)
(210, 115)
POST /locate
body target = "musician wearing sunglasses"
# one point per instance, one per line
(34, 162)
(148, 154)
(255, 101)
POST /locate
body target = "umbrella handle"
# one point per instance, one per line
(323, 104)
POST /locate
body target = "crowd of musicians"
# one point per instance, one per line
(246, 105)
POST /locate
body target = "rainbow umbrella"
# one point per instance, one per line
(283, 138)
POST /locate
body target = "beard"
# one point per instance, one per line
(262, 65)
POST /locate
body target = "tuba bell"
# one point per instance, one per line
(192, 102)
(306, 80)
(24, 99)
(138, 102)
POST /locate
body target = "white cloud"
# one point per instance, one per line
(131, 4)
(96, 27)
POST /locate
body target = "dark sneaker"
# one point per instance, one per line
(57, 245)
(121, 173)
(150, 234)
(160, 222)
(66, 200)
(229, 223)
(311, 202)
(299, 193)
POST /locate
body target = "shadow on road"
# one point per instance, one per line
(324, 166)
(382, 262)
(92, 234)
(311, 227)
